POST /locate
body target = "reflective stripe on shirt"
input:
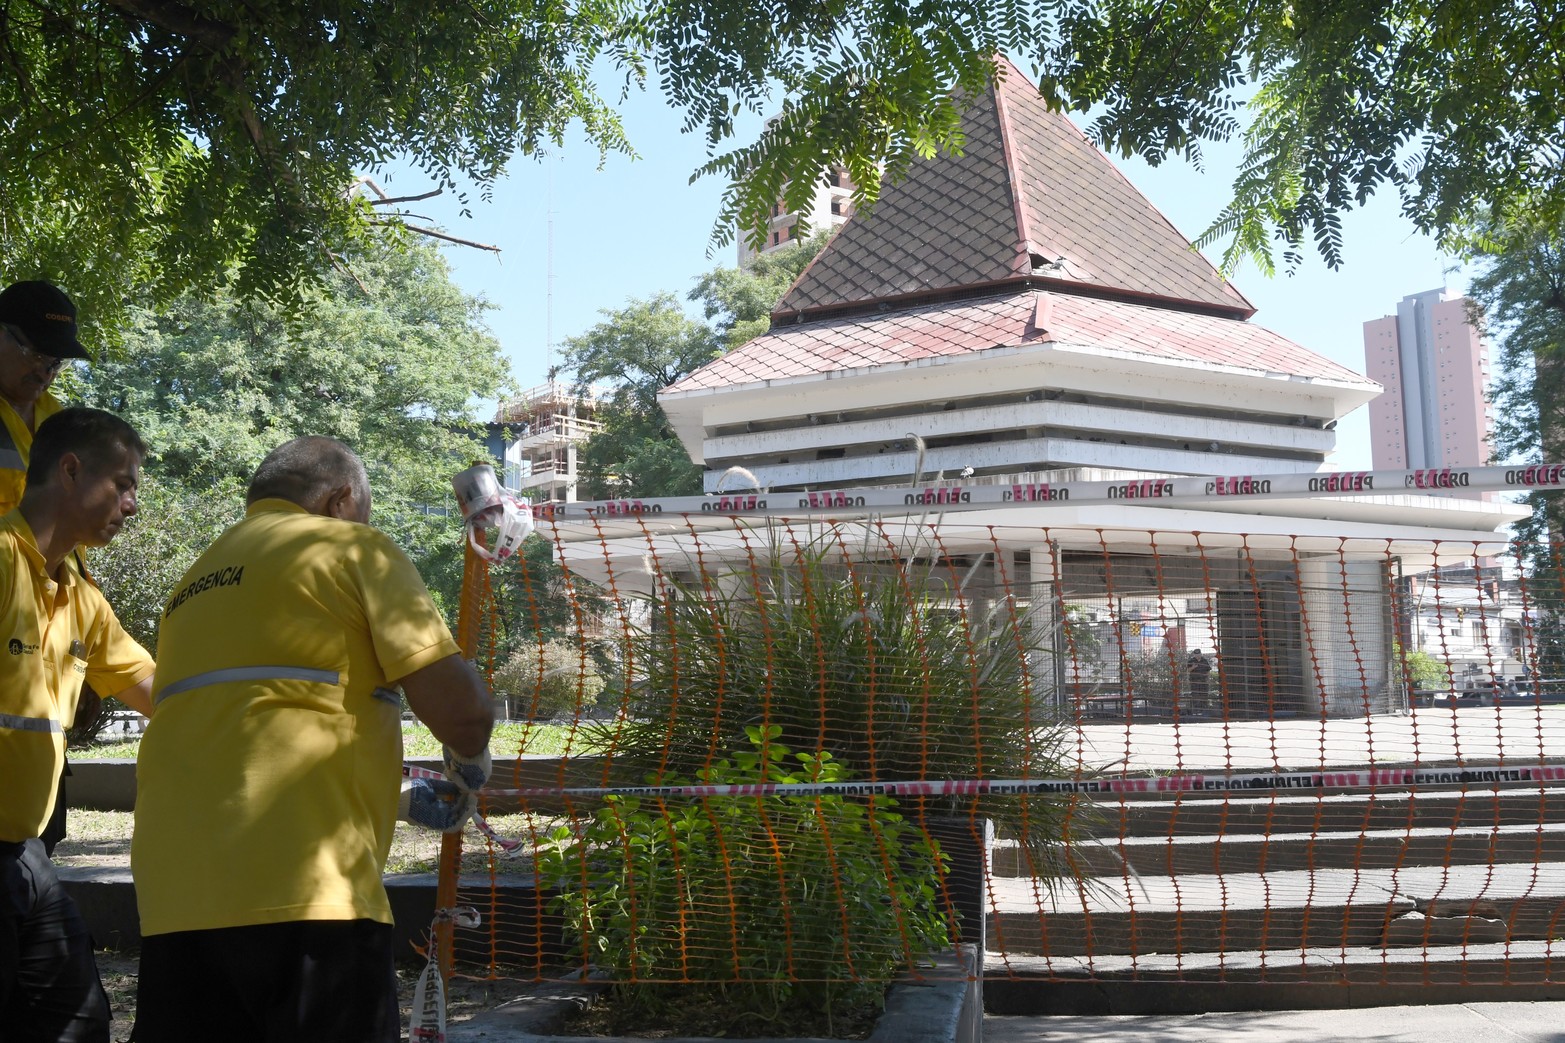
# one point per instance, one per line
(10, 456)
(29, 724)
(248, 673)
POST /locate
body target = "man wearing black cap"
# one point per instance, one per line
(37, 335)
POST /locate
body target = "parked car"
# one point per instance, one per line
(1505, 692)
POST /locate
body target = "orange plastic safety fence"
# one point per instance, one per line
(811, 751)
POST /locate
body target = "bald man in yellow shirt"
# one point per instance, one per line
(59, 633)
(268, 780)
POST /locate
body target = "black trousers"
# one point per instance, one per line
(309, 981)
(54, 832)
(49, 986)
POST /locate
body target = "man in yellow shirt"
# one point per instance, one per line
(59, 633)
(268, 780)
(37, 336)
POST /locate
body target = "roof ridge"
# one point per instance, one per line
(1028, 183)
(1022, 264)
(1086, 139)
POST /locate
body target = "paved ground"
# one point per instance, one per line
(1450, 1023)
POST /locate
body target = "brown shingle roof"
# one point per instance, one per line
(1028, 186)
(833, 345)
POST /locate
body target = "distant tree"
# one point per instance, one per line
(1418, 669)
(1519, 298)
(648, 345)
(637, 351)
(392, 361)
(738, 302)
(553, 679)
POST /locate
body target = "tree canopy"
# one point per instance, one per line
(1518, 295)
(392, 362)
(161, 146)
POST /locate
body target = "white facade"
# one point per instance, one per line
(1011, 411)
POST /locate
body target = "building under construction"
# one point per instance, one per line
(545, 427)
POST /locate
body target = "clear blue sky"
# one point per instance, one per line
(638, 227)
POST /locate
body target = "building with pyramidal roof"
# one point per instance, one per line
(1020, 315)
(1019, 308)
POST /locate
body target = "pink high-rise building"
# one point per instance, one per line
(1434, 367)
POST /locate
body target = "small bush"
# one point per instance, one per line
(554, 679)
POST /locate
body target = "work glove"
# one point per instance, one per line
(436, 804)
(470, 773)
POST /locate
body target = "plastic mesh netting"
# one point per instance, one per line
(807, 750)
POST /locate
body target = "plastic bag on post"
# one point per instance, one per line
(485, 505)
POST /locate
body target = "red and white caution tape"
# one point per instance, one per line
(955, 497)
(1355, 778)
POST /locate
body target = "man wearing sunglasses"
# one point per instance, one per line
(37, 336)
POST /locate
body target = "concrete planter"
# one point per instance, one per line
(945, 1007)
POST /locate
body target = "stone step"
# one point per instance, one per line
(1305, 978)
(1257, 853)
(1519, 962)
(1329, 812)
(1286, 910)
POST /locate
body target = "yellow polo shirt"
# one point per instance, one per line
(16, 446)
(267, 784)
(57, 632)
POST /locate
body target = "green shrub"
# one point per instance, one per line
(889, 664)
(781, 904)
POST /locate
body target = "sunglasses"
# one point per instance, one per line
(48, 363)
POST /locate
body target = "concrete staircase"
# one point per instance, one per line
(1214, 902)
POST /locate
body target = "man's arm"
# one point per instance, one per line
(450, 697)
(138, 696)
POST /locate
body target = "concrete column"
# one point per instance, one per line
(1051, 656)
(1346, 636)
(1322, 633)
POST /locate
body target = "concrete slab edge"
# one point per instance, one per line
(947, 1009)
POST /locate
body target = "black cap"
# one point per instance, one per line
(43, 312)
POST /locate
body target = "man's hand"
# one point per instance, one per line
(436, 804)
(470, 773)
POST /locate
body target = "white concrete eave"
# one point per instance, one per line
(1069, 366)
(617, 551)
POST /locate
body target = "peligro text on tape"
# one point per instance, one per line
(1165, 490)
